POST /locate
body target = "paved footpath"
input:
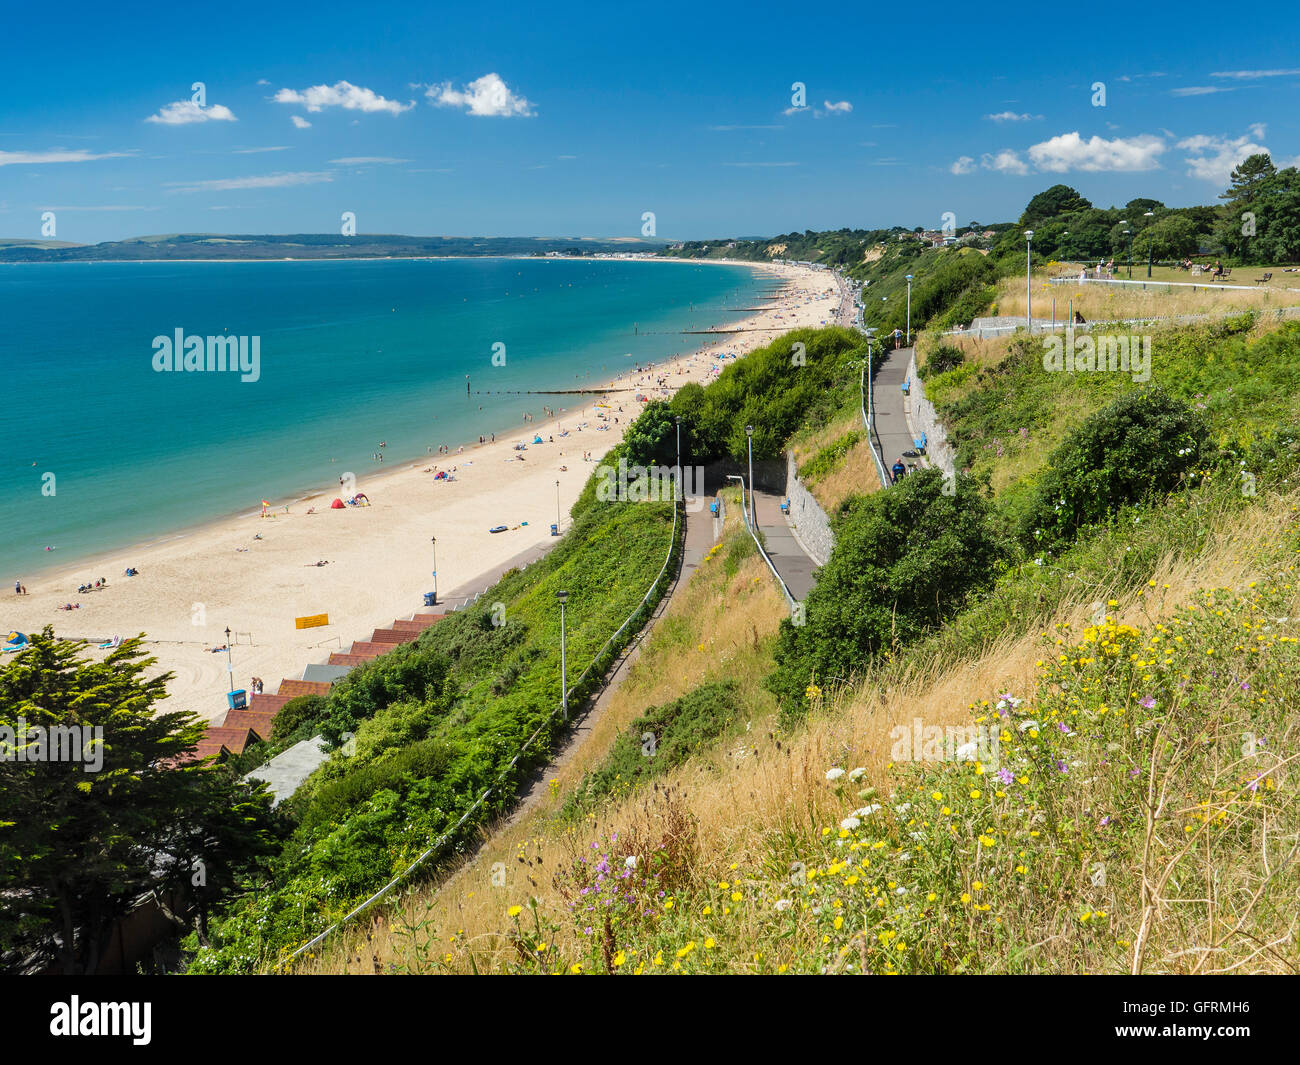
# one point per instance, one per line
(892, 432)
(796, 568)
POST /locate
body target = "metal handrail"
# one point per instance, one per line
(868, 403)
(790, 599)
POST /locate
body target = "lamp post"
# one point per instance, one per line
(909, 310)
(749, 436)
(1151, 242)
(1129, 233)
(433, 542)
(1029, 285)
(1124, 233)
(563, 597)
(230, 662)
(678, 493)
(557, 506)
(1064, 255)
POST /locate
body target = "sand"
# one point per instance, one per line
(191, 588)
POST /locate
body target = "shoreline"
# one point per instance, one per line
(597, 392)
(252, 573)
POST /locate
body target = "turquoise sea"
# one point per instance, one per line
(102, 451)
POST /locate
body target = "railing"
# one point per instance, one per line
(869, 421)
(434, 847)
(790, 599)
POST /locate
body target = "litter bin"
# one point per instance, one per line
(237, 700)
(430, 598)
(555, 529)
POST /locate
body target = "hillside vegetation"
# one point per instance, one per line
(1039, 717)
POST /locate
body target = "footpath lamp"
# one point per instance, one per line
(1029, 284)
(1151, 242)
(909, 310)
(678, 493)
(230, 664)
(749, 436)
(1124, 233)
(433, 542)
(564, 678)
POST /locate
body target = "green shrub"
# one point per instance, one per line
(1142, 444)
(904, 560)
(659, 740)
(301, 710)
(944, 358)
(829, 457)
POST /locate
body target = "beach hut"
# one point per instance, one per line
(336, 505)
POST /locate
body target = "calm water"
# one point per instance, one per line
(350, 354)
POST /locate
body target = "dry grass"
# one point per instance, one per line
(772, 786)
(1100, 303)
(716, 628)
(855, 474)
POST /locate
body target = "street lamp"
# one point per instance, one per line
(563, 597)
(1063, 253)
(557, 508)
(1151, 245)
(909, 310)
(1029, 285)
(230, 662)
(749, 436)
(433, 540)
(678, 493)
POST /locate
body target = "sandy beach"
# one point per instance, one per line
(256, 574)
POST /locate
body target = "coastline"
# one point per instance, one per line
(256, 574)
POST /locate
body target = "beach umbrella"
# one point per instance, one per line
(336, 505)
(15, 641)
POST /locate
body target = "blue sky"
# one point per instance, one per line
(564, 120)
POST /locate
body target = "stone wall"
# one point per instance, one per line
(923, 419)
(812, 527)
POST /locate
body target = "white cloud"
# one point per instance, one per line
(76, 155)
(842, 105)
(183, 112)
(300, 122)
(1069, 151)
(341, 94)
(964, 165)
(265, 181)
(1005, 162)
(795, 110)
(1213, 158)
(254, 151)
(1012, 116)
(1251, 74)
(1199, 90)
(485, 97)
(363, 160)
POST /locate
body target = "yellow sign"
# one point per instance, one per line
(311, 621)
